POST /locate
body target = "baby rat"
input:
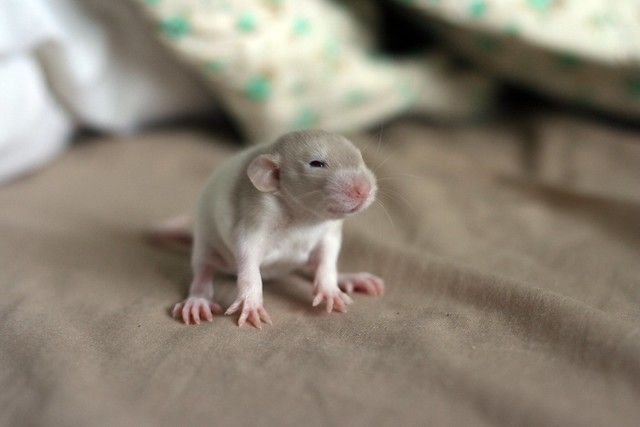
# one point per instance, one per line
(273, 209)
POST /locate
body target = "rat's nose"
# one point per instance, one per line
(360, 190)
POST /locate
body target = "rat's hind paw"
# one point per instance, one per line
(336, 300)
(193, 309)
(363, 282)
(251, 312)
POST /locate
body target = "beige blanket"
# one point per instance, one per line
(512, 262)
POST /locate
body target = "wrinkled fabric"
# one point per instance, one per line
(511, 265)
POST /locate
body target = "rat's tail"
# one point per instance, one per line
(174, 234)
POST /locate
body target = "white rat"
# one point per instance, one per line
(275, 208)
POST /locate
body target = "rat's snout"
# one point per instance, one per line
(359, 190)
(351, 192)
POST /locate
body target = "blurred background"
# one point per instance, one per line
(505, 136)
(261, 68)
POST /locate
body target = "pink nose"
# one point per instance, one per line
(360, 190)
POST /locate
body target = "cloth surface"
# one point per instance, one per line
(513, 293)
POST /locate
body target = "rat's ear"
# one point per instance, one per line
(264, 172)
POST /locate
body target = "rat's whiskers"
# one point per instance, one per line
(397, 176)
(398, 197)
(393, 225)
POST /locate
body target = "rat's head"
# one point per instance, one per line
(316, 172)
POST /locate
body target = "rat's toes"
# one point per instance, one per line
(330, 304)
(335, 301)
(215, 308)
(254, 319)
(254, 314)
(317, 299)
(205, 312)
(339, 305)
(378, 284)
(347, 286)
(264, 316)
(193, 309)
(345, 298)
(361, 282)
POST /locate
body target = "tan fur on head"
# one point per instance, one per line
(316, 171)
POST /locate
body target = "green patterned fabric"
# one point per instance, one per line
(278, 65)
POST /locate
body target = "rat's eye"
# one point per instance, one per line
(318, 164)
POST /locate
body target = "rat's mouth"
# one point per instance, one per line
(347, 211)
(351, 204)
(343, 211)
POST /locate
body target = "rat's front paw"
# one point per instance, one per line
(366, 283)
(335, 299)
(193, 308)
(251, 310)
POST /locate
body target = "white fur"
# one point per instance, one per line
(243, 227)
